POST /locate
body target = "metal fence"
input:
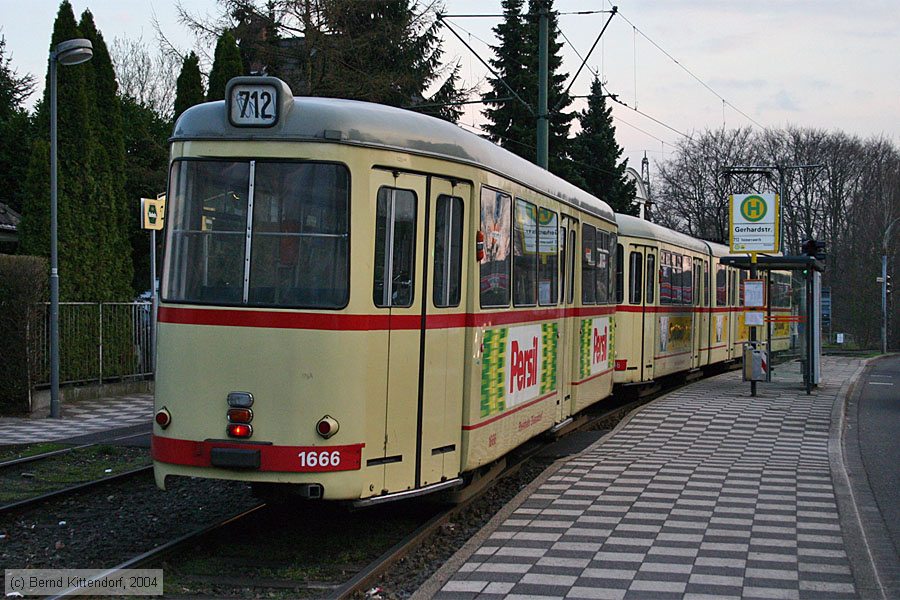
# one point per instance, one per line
(98, 341)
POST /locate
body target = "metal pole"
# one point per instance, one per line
(753, 275)
(884, 300)
(810, 329)
(543, 126)
(153, 301)
(54, 257)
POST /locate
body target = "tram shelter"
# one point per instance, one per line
(810, 308)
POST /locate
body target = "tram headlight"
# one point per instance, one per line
(327, 427)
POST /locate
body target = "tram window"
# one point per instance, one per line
(298, 242)
(651, 276)
(620, 274)
(612, 244)
(635, 277)
(706, 295)
(299, 251)
(588, 265)
(395, 247)
(687, 281)
(721, 285)
(572, 240)
(602, 267)
(676, 278)
(562, 263)
(743, 277)
(447, 250)
(548, 257)
(525, 254)
(665, 277)
(495, 229)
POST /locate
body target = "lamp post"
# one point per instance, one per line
(884, 280)
(70, 52)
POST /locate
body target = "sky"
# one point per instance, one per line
(686, 65)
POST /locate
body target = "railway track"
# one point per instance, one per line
(84, 486)
(214, 560)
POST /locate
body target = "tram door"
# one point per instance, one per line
(568, 342)
(439, 435)
(398, 258)
(649, 317)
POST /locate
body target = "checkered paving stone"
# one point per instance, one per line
(86, 416)
(705, 493)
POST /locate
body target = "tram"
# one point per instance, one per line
(368, 303)
(679, 309)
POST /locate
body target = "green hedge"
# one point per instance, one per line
(23, 285)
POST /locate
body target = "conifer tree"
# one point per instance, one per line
(226, 64)
(596, 155)
(510, 122)
(189, 87)
(112, 258)
(15, 130)
(76, 146)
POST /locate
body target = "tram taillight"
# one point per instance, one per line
(239, 430)
(327, 427)
(240, 415)
(162, 417)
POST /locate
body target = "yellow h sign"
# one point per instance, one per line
(153, 212)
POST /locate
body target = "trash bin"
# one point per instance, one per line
(756, 361)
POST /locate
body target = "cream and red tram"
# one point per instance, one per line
(679, 309)
(366, 302)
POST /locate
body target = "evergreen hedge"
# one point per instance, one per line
(23, 285)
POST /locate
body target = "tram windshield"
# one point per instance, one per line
(258, 233)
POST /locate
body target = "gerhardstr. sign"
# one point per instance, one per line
(753, 220)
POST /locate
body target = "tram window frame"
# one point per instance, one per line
(635, 277)
(246, 292)
(588, 264)
(721, 285)
(602, 266)
(573, 244)
(525, 267)
(405, 251)
(497, 248)
(650, 274)
(620, 274)
(548, 261)
(447, 268)
(665, 277)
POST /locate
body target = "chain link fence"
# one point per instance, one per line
(98, 342)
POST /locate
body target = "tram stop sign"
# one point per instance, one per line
(153, 212)
(754, 222)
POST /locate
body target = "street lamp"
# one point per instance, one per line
(884, 284)
(70, 52)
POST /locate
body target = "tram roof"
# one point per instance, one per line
(379, 126)
(640, 228)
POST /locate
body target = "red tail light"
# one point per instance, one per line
(240, 415)
(239, 430)
(162, 417)
(327, 427)
(621, 365)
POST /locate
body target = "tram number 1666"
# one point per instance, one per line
(322, 459)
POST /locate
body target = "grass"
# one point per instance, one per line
(79, 466)
(23, 450)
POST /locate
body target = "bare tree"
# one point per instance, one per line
(146, 78)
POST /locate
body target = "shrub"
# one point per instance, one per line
(23, 285)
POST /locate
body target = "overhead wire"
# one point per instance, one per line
(691, 73)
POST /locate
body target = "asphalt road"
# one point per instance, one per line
(879, 439)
